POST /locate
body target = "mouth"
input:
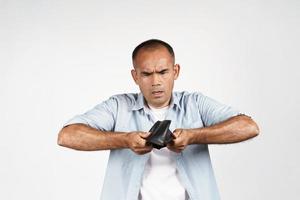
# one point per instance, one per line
(157, 94)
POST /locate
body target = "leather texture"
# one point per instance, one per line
(160, 135)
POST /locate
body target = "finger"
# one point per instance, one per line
(144, 135)
(171, 143)
(176, 133)
(175, 142)
(144, 151)
(175, 146)
(171, 147)
(148, 148)
(142, 143)
(174, 149)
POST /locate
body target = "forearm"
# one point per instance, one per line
(85, 138)
(235, 129)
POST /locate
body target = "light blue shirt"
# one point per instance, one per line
(128, 112)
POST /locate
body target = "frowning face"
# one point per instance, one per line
(154, 72)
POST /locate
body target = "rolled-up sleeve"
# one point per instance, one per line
(213, 112)
(101, 117)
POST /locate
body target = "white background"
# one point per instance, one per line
(60, 58)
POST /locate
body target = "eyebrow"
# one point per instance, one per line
(149, 73)
(164, 70)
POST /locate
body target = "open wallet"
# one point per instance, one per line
(160, 135)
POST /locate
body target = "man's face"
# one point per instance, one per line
(155, 73)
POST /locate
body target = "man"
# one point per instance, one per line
(136, 170)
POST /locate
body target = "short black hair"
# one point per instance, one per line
(152, 44)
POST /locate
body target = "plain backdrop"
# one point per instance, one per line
(59, 58)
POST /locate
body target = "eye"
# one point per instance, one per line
(163, 71)
(146, 74)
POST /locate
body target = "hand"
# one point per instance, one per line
(137, 142)
(180, 141)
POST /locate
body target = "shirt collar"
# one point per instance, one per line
(175, 101)
(140, 102)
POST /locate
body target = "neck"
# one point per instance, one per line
(156, 108)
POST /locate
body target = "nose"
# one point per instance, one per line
(156, 80)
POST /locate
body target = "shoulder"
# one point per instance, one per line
(188, 96)
(125, 99)
(188, 100)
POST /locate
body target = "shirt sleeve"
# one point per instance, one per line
(101, 117)
(213, 112)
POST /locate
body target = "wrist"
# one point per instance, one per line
(197, 136)
(126, 139)
(191, 136)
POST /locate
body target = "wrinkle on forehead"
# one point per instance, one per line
(155, 66)
(157, 59)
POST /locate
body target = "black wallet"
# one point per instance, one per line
(160, 135)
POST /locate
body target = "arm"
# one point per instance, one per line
(235, 129)
(85, 138)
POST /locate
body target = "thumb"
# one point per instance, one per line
(144, 134)
(176, 133)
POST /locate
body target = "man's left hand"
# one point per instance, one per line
(181, 139)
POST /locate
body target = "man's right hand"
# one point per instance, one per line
(85, 138)
(137, 142)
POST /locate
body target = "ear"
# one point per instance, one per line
(134, 75)
(176, 71)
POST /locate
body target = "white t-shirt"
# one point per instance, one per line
(160, 179)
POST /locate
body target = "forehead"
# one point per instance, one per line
(149, 58)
